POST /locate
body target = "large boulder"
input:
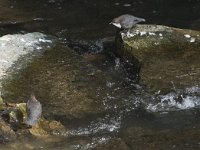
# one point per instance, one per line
(13, 47)
(66, 84)
(166, 58)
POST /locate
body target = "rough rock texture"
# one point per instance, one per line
(143, 138)
(114, 144)
(12, 47)
(65, 84)
(166, 57)
(58, 86)
(6, 132)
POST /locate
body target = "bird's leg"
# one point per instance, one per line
(125, 31)
(128, 31)
(122, 33)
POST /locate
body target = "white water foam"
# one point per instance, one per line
(175, 101)
(105, 124)
(96, 128)
(94, 142)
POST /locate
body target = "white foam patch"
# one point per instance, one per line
(105, 124)
(102, 125)
(193, 90)
(187, 35)
(110, 84)
(94, 142)
(143, 33)
(192, 40)
(168, 102)
(152, 33)
(44, 40)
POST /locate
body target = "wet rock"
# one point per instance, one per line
(154, 139)
(13, 47)
(166, 58)
(113, 144)
(15, 124)
(138, 137)
(48, 128)
(6, 132)
(66, 83)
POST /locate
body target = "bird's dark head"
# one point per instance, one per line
(32, 97)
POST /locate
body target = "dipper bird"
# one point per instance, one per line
(126, 21)
(34, 110)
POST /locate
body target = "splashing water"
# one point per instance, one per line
(186, 99)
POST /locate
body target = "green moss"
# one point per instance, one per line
(164, 53)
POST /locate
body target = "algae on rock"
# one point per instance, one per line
(166, 57)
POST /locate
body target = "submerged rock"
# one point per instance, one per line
(68, 85)
(113, 144)
(6, 132)
(167, 58)
(151, 139)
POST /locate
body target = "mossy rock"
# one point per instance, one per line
(17, 114)
(166, 57)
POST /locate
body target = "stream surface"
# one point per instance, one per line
(91, 91)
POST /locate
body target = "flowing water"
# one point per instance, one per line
(121, 115)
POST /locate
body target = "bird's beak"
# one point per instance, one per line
(111, 23)
(143, 20)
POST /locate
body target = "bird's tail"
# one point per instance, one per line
(30, 121)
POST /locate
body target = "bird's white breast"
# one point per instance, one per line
(117, 25)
